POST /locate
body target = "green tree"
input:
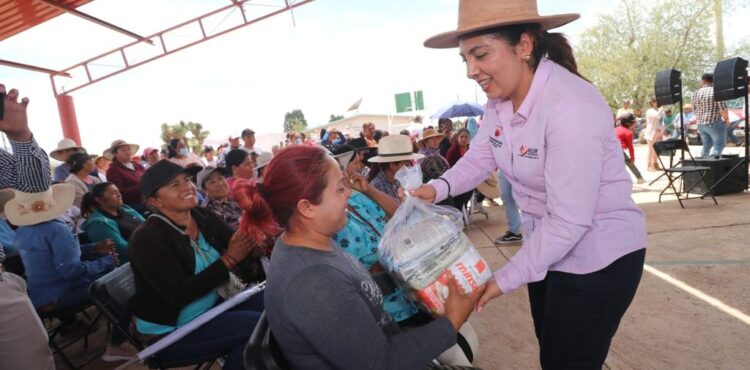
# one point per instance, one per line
(622, 53)
(295, 121)
(192, 131)
(335, 118)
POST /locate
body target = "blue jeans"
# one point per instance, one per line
(730, 132)
(227, 334)
(713, 135)
(511, 209)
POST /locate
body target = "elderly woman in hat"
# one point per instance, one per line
(81, 166)
(213, 183)
(434, 163)
(125, 173)
(64, 149)
(583, 253)
(58, 269)
(180, 257)
(394, 152)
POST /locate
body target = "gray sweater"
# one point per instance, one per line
(326, 312)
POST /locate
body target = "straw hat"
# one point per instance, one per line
(428, 133)
(481, 15)
(395, 148)
(34, 208)
(64, 144)
(109, 153)
(490, 187)
(264, 159)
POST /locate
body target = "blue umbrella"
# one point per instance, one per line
(459, 109)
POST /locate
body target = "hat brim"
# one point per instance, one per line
(192, 171)
(63, 194)
(398, 158)
(55, 154)
(450, 39)
(345, 158)
(109, 155)
(431, 136)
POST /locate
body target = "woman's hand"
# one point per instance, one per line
(104, 247)
(358, 183)
(458, 306)
(493, 291)
(239, 247)
(425, 192)
(14, 123)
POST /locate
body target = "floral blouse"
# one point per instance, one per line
(227, 209)
(361, 241)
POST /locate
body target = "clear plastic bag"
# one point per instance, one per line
(422, 243)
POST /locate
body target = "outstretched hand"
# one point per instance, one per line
(14, 123)
(493, 291)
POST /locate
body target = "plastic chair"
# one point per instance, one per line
(262, 352)
(53, 332)
(112, 294)
(674, 173)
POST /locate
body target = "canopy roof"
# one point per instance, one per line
(17, 16)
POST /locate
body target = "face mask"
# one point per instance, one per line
(183, 151)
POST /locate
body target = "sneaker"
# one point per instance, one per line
(509, 238)
(123, 352)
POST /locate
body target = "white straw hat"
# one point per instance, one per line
(34, 208)
(395, 148)
(64, 144)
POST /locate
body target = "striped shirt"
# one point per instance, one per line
(27, 169)
(707, 109)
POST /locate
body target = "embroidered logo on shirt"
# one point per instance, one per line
(498, 131)
(531, 153)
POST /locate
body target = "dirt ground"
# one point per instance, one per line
(691, 309)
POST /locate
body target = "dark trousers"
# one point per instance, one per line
(632, 167)
(576, 316)
(225, 335)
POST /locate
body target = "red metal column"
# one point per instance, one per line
(68, 118)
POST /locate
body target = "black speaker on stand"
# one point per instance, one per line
(731, 82)
(668, 90)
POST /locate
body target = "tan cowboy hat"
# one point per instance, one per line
(34, 208)
(395, 148)
(490, 187)
(428, 133)
(264, 159)
(109, 153)
(64, 144)
(480, 15)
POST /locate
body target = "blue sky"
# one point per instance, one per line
(340, 51)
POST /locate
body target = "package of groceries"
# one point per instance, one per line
(423, 244)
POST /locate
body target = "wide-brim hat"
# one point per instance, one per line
(5, 196)
(395, 148)
(34, 208)
(109, 153)
(428, 133)
(481, 15)
(160, 174)
(490, 187)
(264, 159)
(64, 144)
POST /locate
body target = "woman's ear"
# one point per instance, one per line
(306, 209)
(525, 45)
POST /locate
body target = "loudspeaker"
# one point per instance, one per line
(668, 87)
(734, 183)
(730, 79)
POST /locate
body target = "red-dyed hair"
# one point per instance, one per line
(295, 173)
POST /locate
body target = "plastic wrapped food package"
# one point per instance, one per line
(423, 244)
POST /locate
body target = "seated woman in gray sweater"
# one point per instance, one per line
(323, 307)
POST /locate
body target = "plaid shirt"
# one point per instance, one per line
(27, 169)
(707, 109)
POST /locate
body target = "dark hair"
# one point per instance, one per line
(708, 77)
(627, 119)
(296, 173)
(89, 204)
(77, 160)
(554, 46)
(454, 138)
(235, 157)
(172, 147)
(404, 132)
(378, 135)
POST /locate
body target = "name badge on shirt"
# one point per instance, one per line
(495, 138)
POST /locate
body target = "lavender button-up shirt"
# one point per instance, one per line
(560, 153)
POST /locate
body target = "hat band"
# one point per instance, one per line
(396, 154)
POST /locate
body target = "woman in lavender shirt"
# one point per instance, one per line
(549, 131)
